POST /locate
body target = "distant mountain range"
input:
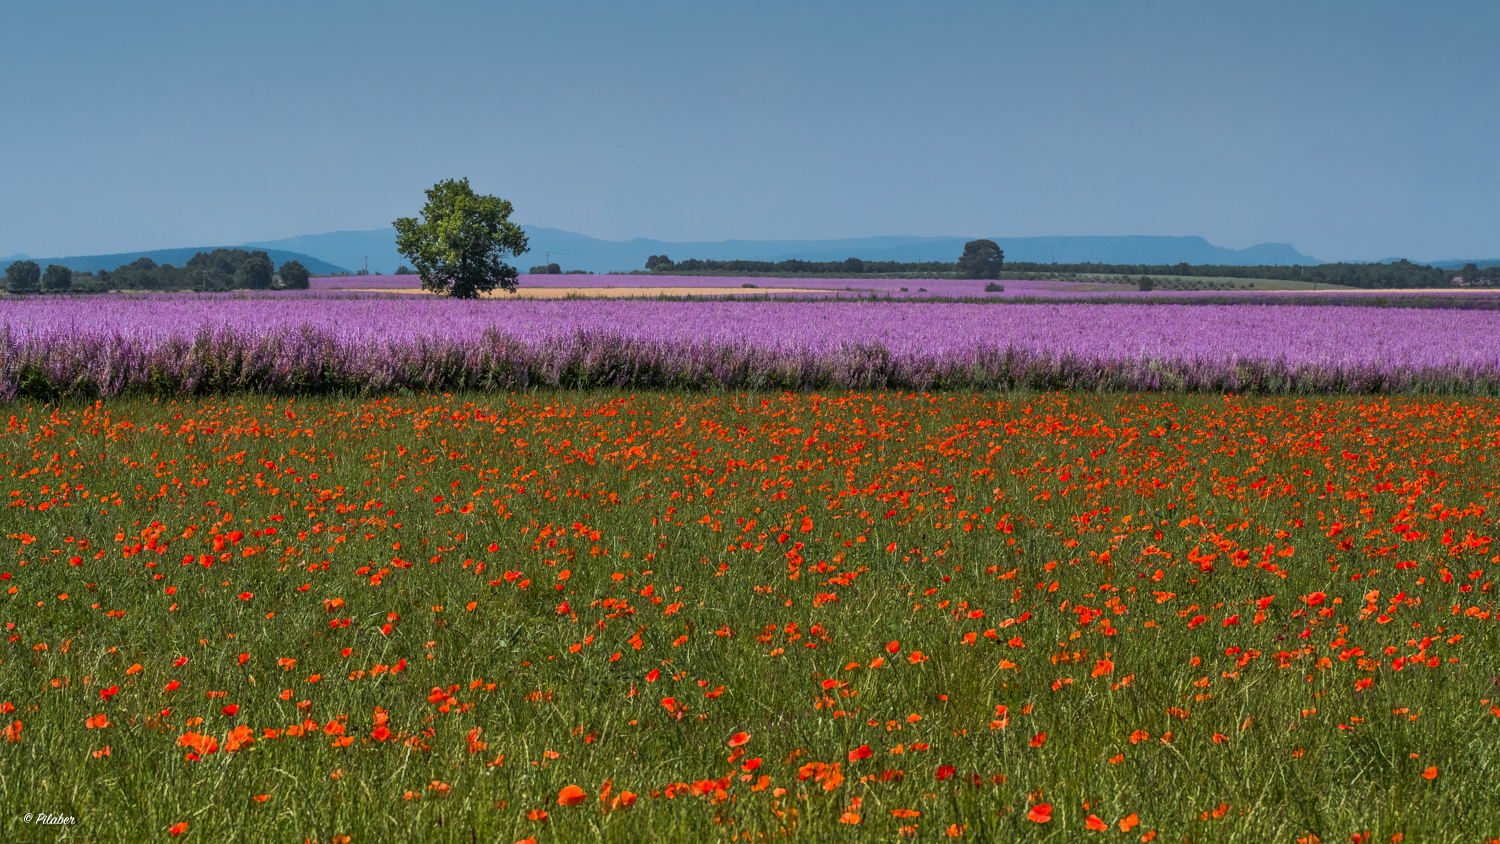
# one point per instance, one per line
(580, 252)
(349, 251)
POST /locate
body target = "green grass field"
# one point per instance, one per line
(566, 617)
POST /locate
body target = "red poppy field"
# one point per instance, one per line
(714, 617)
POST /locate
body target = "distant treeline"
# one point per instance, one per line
(221, 269)
(1395, 275)
(849, 266)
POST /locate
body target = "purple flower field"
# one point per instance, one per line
(187, 343)
(916, 288)
(848, 287)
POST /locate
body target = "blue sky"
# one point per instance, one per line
(1353, 130)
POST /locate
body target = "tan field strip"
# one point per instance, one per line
(601, 292)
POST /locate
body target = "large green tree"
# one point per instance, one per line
(981, 259)
(23, 277)
(458, 243)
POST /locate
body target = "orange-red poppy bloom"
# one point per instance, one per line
(738, 739)
(905, 813)
(1040, 813)
(571, 795)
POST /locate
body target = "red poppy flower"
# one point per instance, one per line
(571, 795)
(738, 739)
(231, 709)
(1040, 813)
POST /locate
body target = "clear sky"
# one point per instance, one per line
(1353, 130)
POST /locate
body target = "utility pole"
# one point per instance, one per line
(367, 265)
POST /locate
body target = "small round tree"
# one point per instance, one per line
(23, 277)
(981, 259)
(57, 279)
(255, 273)
(293, 275)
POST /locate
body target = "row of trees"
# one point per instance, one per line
(221, 269)
(983, 259)
(1395, 275)
(980, 259)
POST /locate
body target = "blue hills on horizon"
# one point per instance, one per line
(575, 251)
(347, 251)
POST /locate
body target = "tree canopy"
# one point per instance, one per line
(23, 277)
(255, 273)
(981, 259)
(293, 275)
(57, 279)
(458, 244)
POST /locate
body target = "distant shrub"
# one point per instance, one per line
(748, 284)
(992, 287)
(1145, 283)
